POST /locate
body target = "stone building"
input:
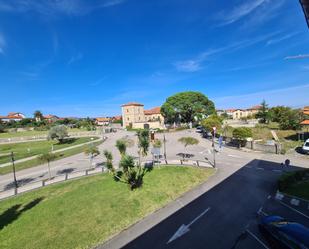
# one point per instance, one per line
(134, 116)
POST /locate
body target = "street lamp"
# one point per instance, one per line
(164, 144)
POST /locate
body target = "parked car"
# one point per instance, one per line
(284, 234)
(305, 147)
(199, 129)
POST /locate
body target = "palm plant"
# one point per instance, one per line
(121, 146)
(38, 115)
(143, 143)
(47, 158)
(109, 160)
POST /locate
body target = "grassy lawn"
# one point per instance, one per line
(28, 149)
(85, 212)
(36, 162)
(32, 133)
(300, 189)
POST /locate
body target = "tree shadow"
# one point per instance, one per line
(68, 140)
(20, 183)
(65, 171)
(185, 155)
(12, 213)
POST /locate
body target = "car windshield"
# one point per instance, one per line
(307, 144)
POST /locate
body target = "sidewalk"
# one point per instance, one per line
(55, 151)
(155, 218)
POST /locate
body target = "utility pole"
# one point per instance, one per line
(14, 172)
(213, 144)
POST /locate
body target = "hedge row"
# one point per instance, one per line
(291, 178)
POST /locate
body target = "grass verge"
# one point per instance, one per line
(85, 212)
(36, 162)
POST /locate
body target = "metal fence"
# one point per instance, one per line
(45, 182)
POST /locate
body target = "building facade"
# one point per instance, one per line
(134, 116)
(13, 116)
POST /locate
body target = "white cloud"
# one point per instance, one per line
(241, 11)
(56, 7)
(75, 58)
(299, 56)
(195, 64)
(290, 96)
(279, 39)
(2, 44)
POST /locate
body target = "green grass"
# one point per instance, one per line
(85, 212)
(36, 162)
(32, 133)
(28, 149)
(300, 189)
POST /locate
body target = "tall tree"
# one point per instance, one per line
(263, 113)
(38, 115)
(143, 142)
(187, 107)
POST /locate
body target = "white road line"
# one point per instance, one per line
(286, 205)
(259, 168)
(268, 197)
(276, 170)
(260, 211)
(234, 156)
(257, 239)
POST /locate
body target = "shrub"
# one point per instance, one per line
(241, 133)
(291, 178)
(59, 132)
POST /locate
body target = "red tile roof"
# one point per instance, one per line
(305, 122)
(103, 119)
(256, 107)
(50, 116)
(155, 110)
(133, 104)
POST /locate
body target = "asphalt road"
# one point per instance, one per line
(224, 217)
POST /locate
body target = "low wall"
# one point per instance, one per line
(252, 145)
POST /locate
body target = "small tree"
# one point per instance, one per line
(241, 133)
(188, 141)
(47, 158)
(121, 146)
(91, 151)
(58, 132)
(263, 113)
(38, 116)
(109, 160)
(212, 121)
(143, 143)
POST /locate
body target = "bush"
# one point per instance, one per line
(291, 178)
(241, 133)
(58, 132)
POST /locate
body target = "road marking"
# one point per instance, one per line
(268, 197)
(294, 202)
(286, 205)
(259, 168)
(183, 229)
(234, 156)
(279, 196)
(276, 170)
(257, 239)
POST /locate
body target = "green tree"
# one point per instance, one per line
(290, 119)
(109, 160)
(186, 106)
(121, 146)
(212, 121)
(263, 114)
(91, 151)
(157, 143)
(59, 132)
(186, 141)
(47, 158)
(38, 115)
(241, 133)
(143, 142)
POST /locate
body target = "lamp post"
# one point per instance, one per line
(14, 172)
(213, 145)
(164, 141)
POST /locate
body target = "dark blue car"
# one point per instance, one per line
(281, 233)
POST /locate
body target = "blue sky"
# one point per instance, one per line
(86, 58)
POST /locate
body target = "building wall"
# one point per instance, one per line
(132, 114)
(154, 117)
(152, 125)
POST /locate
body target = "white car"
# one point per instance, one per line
(306, 146)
